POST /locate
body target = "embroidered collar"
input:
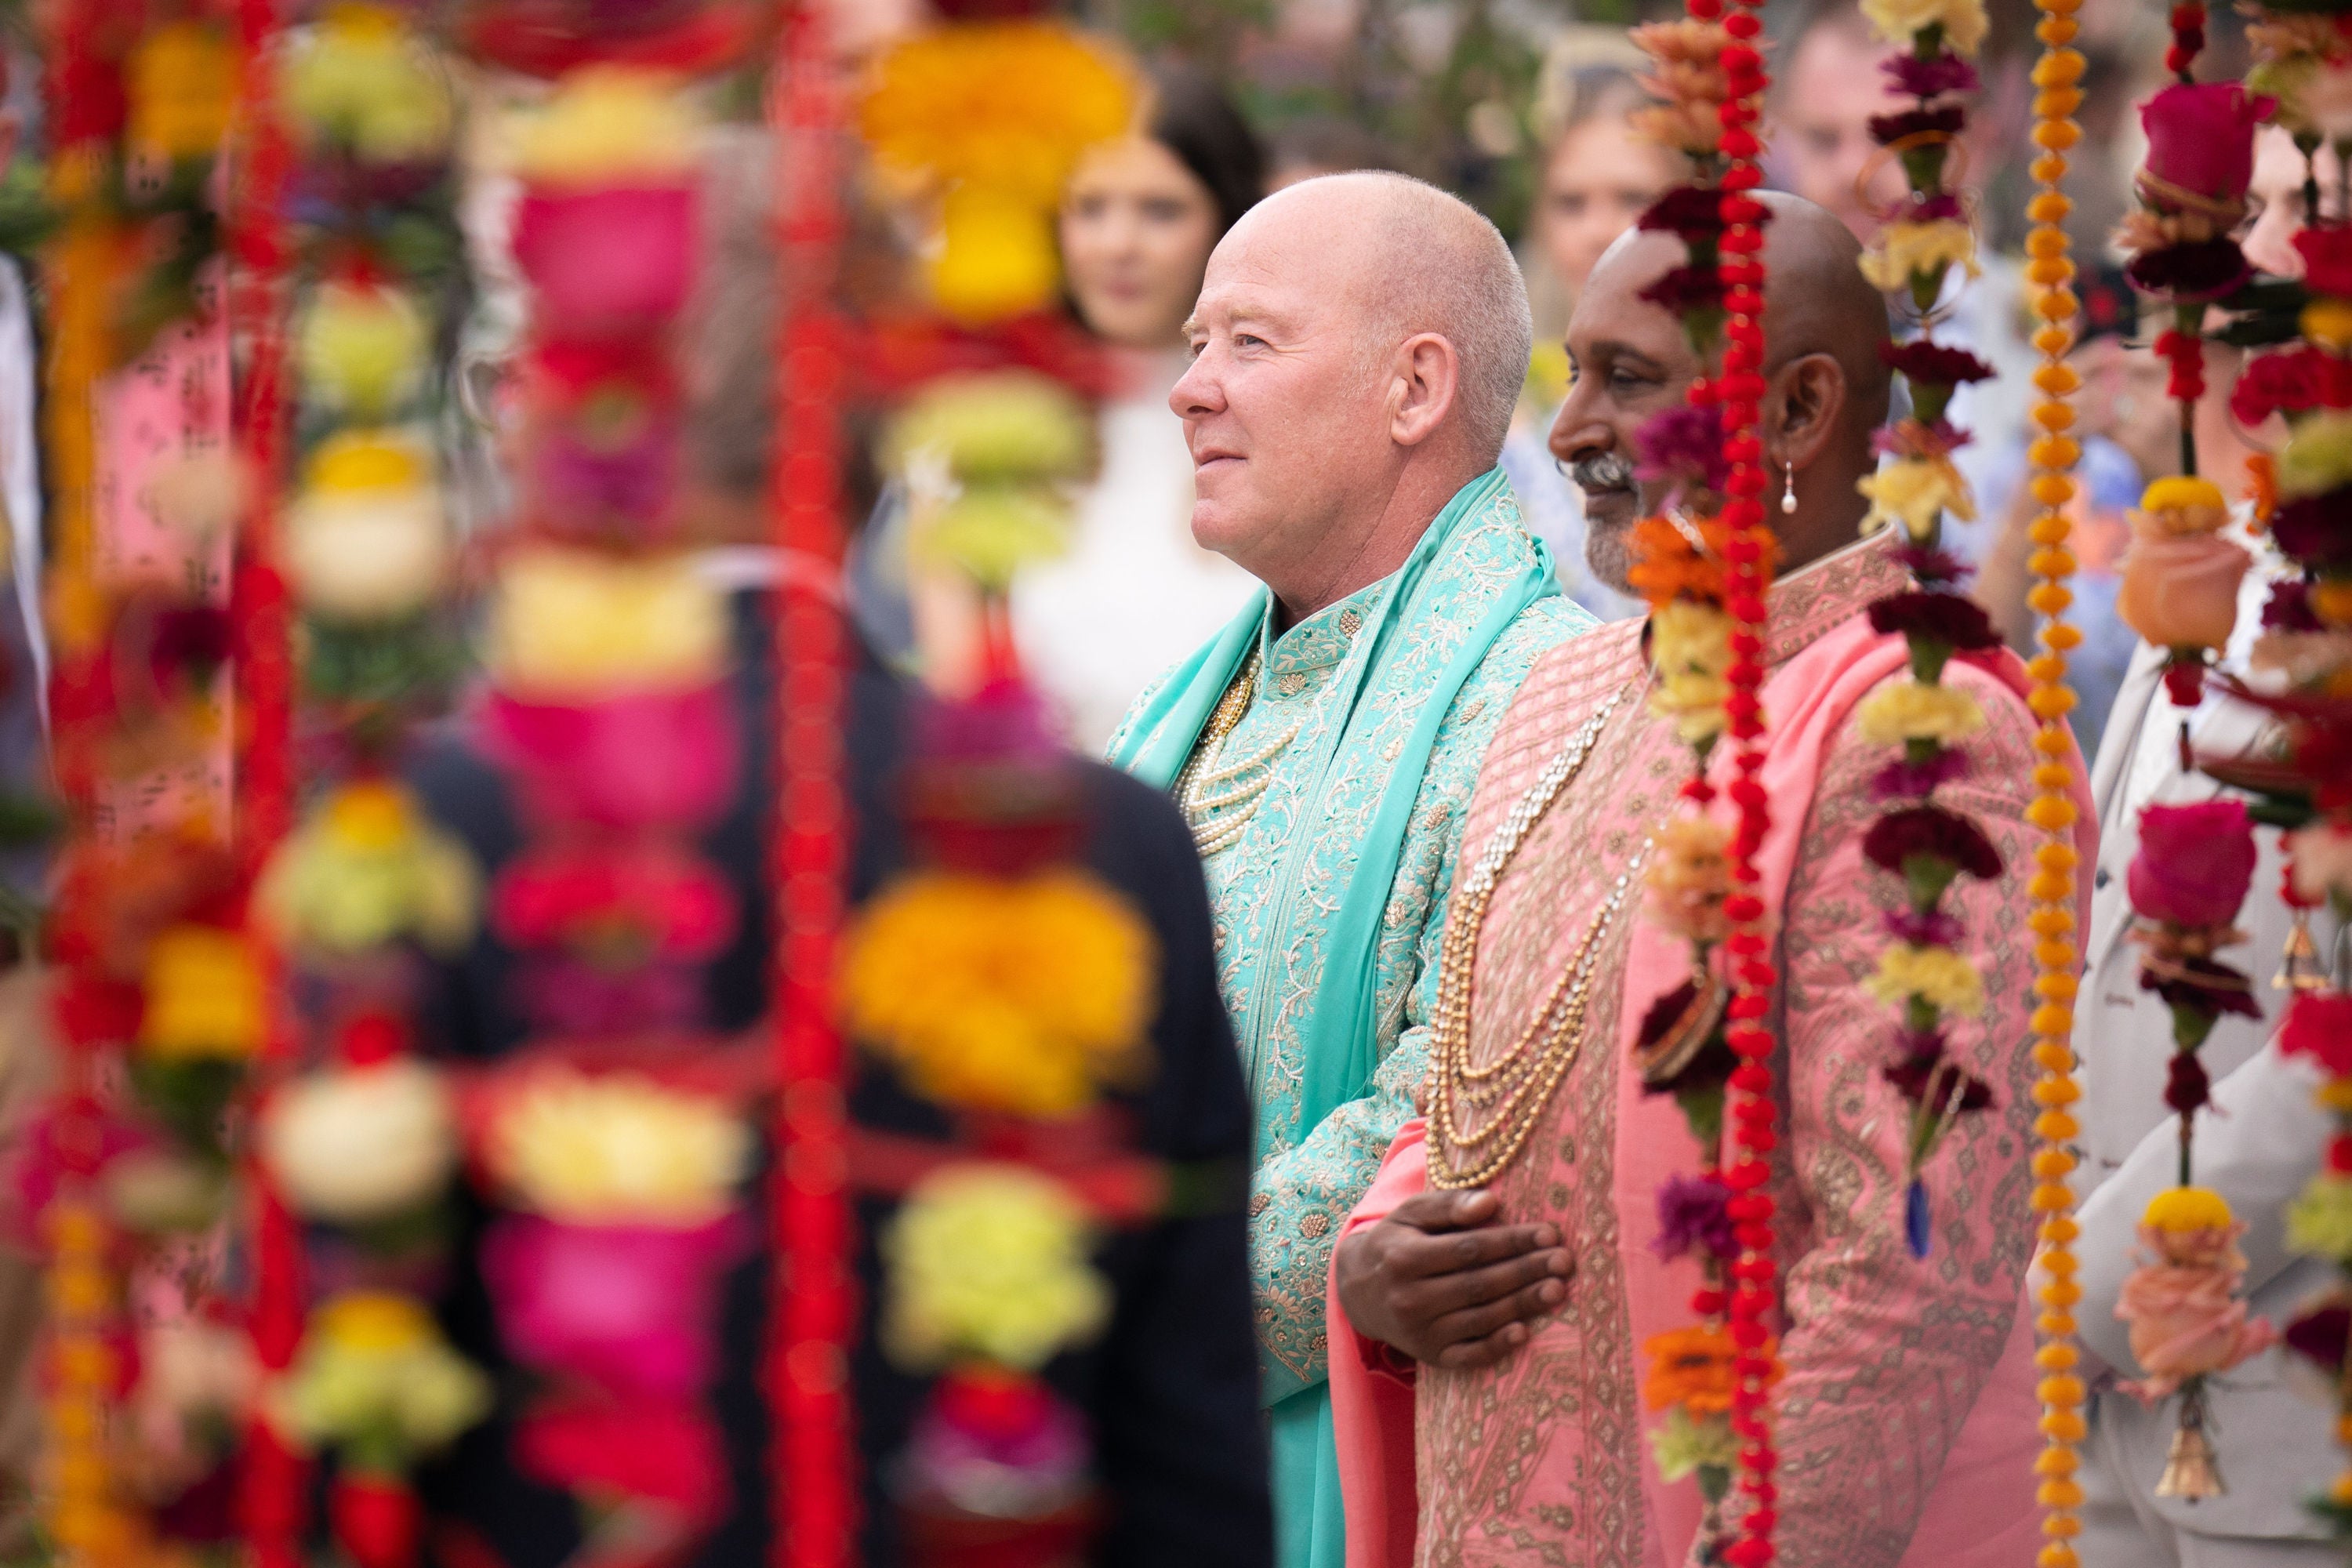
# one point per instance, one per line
(1821, 593)
(1318, 642)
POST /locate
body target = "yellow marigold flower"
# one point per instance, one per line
(363, 348)
(374, 1367)
(1905, 710)
(1898, 21)
(989, 1260)
(1937, 976)
(1008, 106)
(570, 623)
(1905, 250)
(2180, 1209)
(618, 1149)
(366, 868)
(2328, 322)
(362, 79)
(1690, 878)
(182, 87)
(610, 125)
(1021, 997)
(2317, 456)
(2181, 503)
(204, 996)
(1690, 644)
(1915, 492)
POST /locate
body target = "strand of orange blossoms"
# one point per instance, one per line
(2053, 454)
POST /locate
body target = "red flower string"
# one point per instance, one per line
(1751, 554)
(807, 1375)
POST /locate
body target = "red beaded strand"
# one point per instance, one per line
(814, 1297)
(1751, 557)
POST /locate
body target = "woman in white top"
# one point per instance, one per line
(1135, 593)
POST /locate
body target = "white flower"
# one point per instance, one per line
(2322, 860)
(618, 1149)
(378, 556)
(354, 1144)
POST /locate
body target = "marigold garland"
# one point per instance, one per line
(2050, 271)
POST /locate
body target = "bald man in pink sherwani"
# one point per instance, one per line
(1487, 1347)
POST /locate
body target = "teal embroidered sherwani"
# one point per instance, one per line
(1314, 781)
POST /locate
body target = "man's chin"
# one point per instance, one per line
(1609, 538)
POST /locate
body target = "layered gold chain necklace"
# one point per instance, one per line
(1481, 1117)
(1220, 798)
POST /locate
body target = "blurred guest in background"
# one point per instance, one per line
(1135, 592)
(1599, 173)
(1317, 144)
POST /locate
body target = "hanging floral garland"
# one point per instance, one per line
(362, 1141)
(1704, 564)
(2049, 272)
(2195, 864)
(1922, 972)
(2302, 663)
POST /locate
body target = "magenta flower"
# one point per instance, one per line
(608, 259)
(650, 760)
(629, 1306)
(1684, 443)
(1694, 1216)
(1912, 77)
(2195, 863)
(1904, 779)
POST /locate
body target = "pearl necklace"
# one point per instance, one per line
(1508, 1095)
(1219, 799)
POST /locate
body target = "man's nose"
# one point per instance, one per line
(1196, 392)
(1577, 431)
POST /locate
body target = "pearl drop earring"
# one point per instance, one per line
(1788, 491)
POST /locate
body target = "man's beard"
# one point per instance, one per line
(1608, 548)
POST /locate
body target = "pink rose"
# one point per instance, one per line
(2201, 137)
(2180, 590)
(2195, 863)
(2186, 1319)
(612, 259)
(629, 1306)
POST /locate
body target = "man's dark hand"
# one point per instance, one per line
(1443, 1282)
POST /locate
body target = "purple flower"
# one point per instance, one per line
(1905, 780)
(1931, 1082)
(1912, 77)
(1690, 211)
(1949, 620)
(1943, 122)
(1933, 928)
(1683, 442)
(2316, 530)
(2186, 1085)
(1694, 1215)
(2289, 608)
(1932, 566)
(1685, 291)
(2201, 270)
(1928, 209)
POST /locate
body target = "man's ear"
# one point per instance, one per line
(1807, 399)
(1428, 382)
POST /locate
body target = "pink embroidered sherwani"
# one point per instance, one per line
(1906, 1423)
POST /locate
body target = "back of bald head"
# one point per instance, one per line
(1816, 300)
(1420, 260)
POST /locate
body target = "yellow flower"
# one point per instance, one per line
(182, 87)
(989, 1260)
(2182, 504)
(1907, 710)
(1002, 425)
(618, 1149)
(366, 868)
(363, 348)
(1016, 996)
(1905, 250)
(2317, 456)
(373, 1369)
(1691, 877)
(1915, 492)
(2319, 1222)
(610, 125)
(1898, 21)
(566, 624)
(990, 532)
(1008, 106)
(1690, 644)
(2328, 322)
(204, 996)
(362, 79)
(1937, 976)
(2188, 1208)
(995, 256)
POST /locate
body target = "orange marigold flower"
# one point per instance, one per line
(1665, 567)
(1691, 1368)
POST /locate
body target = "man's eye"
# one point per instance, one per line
(1627, 380)
(1248, 341)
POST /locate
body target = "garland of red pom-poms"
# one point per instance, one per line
(1751, 554)
(813, 1300)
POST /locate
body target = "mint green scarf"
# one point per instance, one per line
(1339, 1049)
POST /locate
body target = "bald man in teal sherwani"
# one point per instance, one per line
(1359, 344)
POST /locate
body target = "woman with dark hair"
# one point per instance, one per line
(1135, 592)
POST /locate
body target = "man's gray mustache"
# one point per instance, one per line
(1602, 471)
